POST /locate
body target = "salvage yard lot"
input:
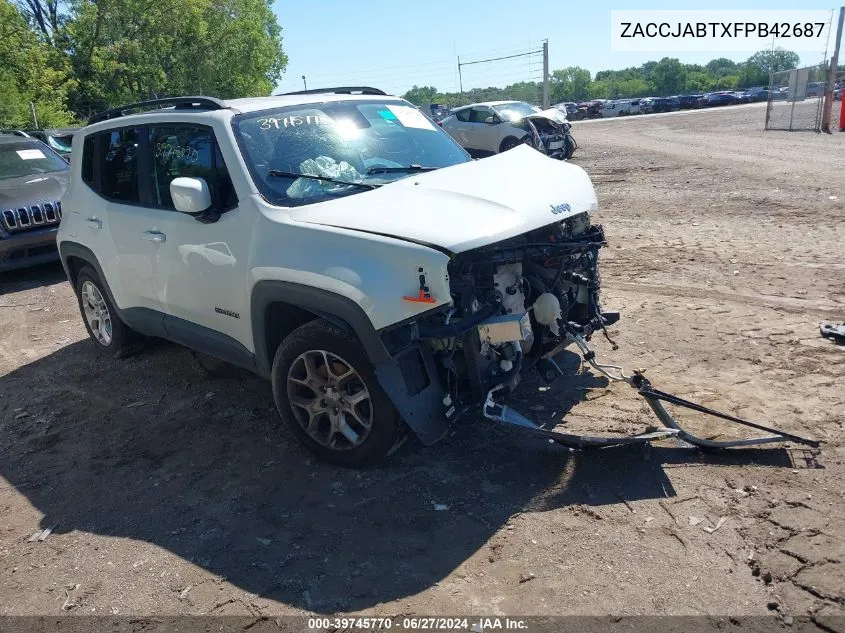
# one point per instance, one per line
(174, 489)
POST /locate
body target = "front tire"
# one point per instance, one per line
(111, 335)
(510, 143)
(569, 146)
(327, 394)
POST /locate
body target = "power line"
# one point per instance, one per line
(496, 59)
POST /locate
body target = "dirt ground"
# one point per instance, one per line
(174, 490)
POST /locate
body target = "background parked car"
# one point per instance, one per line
(721, 98)
(59, 139)
(32, 180)
(570, 107)
(757, 94)
(687, 102)
(816, 89)
(779, 93)
(665, 104)
(483, 129)
(588, 110)
(435, 110)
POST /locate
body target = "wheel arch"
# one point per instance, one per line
(507, 139)
(279, 307)
(75, 257)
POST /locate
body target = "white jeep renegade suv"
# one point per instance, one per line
(337, 242)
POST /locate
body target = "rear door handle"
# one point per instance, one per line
(154, 236)
(94, 223)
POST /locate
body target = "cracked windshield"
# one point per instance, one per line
(302, 155)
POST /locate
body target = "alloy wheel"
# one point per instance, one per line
(330, 400)
(96, 313)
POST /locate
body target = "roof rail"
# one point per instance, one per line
(199, 103)
(343, 90)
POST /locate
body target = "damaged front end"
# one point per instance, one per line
(516, 304)
(513, 303)
(551, 136)
(509, 300)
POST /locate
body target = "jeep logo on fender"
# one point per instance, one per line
(557, 209)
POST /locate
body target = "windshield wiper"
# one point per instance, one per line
(396, 170)
(289, 174)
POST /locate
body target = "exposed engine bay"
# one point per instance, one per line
(551, 137)
(512, 303)
(516, 305)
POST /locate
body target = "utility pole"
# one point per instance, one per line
(831, 77)
(34, 118)
(460, 78)
(545, 74)
(304, 84)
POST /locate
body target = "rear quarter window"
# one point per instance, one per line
(88, 161)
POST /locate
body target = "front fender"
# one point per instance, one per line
(409, 377)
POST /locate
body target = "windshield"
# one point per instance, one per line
(339, 145)
(60, 143)
(515, 110)
(28, 158)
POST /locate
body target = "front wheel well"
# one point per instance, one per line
(508, 142)
(282, 318)
(74, 265)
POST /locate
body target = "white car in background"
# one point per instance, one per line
(484, 129)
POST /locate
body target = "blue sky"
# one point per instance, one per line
(393, 45)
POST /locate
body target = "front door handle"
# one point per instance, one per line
(154, 236)
(94, 223)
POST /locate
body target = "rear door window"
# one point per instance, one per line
(463, 115)
(119, 165)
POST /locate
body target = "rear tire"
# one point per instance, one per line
(111, 335)
(327, 394)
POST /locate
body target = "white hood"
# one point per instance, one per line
(468, 205)
(558, 116)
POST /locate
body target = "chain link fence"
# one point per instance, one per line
(795, 99)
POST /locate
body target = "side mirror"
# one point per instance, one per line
(490, 120)
(190, 195)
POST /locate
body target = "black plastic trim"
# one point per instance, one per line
(328, 305)
(208, 341)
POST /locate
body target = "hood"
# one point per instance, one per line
(35, 189)
(465, 206)
(552, 114)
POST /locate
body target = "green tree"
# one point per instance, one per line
(668, 76)
(30, 72)
(774, 61)
(635, 87)
(721, 67)
(527, 91)
(420, 95)
(126, 50)
(570, 84)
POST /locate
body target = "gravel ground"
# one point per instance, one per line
(174, 490)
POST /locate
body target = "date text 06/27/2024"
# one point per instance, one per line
(471, 625)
